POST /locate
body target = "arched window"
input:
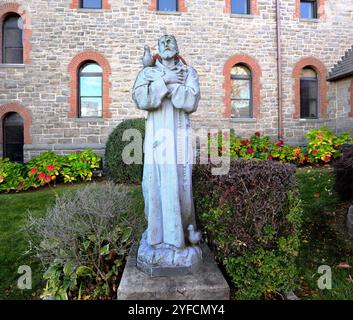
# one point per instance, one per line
(12, 39)
(240, 6)
(91, 4)
(13, 137)
(90, 90)
(241, 95)
(167, 5)
(309, 88)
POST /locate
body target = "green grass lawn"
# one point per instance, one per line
(325, 241)
(325, 238)
(14, 210)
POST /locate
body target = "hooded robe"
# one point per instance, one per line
(167, 173)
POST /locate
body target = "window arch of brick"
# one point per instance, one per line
(74, 68)
(253, 7)
(320, 8)
(321, 71)
(350, 113)
(181, 5)
(10, 8)
(76, 4)
(256, 75)
(24, 113)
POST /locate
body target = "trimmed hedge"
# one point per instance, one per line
(252, 217)
(116, 169)
(343, 169)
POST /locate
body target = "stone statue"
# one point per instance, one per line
(169, 90)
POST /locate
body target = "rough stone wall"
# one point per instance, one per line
(340, 95)
(326, 39)
(207, 38)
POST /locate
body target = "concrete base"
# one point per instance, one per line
(164, 260)
(207, 284)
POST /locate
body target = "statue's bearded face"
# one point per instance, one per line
(168, 47)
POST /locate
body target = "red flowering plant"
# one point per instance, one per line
(323, 146)
(256, 146)
(43, 169)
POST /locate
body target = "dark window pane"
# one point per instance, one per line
(241, 109)
(308, 10)
(12, 22)
(167, 5)
(13, 137)
(91, 107)
(13, 55)
(13, 40)
(91, 86)
(308, 98)
(92, 4)
(240, 7)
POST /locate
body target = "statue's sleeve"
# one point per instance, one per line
(149, 92)
(187, 96)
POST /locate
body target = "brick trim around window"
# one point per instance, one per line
(24, 113)
(255, 74)
(181, 6)
(350, 113)
(74, 68)
(320, 9)
(321, 71)
(253, 7)
(5, 10)
(75, 4)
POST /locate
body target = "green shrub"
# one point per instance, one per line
(79, 166)
(117, 170)
(343, 169)
(11, 175)
(47, 167)
(252, 217)
(84, 240)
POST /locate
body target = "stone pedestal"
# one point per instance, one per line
(207, 284)
(166, 260)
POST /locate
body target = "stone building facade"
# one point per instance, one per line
(59, 36)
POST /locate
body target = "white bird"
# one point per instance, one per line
(194, 236)
(147, 59)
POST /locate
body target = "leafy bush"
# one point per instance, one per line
(117, 169)
(10, 175)
(343, 168)
(79, 166)
(252, 217)
(323, 146)
(46, 168)
(84, 240)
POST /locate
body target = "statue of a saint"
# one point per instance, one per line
(169, 90)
